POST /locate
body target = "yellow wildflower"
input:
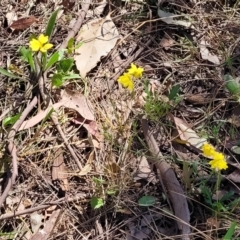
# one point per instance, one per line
(218, 162)
(41, 44)
(208, 150)
(135, 71)
(126, 81)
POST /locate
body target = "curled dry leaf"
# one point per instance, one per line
(206, 55)
(168, 18)
(87, 168)
(99, 38)
(188, 135)
(79, 103)
(23, 23)
(74, 101)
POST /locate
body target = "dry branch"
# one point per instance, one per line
(13, 151)
(169, 179)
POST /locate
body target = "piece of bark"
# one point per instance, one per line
(59, 170)
(175, 192)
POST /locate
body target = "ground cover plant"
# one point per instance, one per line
(120, 119)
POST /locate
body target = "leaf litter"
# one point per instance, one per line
(112, 120)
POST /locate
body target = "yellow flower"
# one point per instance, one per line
(208, 150)
(126, 81)
(218, 162)
(135, 71)
(41, 44)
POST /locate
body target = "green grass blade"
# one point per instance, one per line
(8, 74)
(51, 23)
(230, 232)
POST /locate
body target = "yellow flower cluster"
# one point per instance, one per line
(219, 161)
(126, 79)
(41, 44)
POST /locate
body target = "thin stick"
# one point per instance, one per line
(45, 205)
(78, 24)
(13, 151)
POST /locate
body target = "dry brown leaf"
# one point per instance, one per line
(11, 16)
(79, 103)
(69, 100)
(144, 171)
(23, 23)
(87, 168)
(206, 55)
(235, 176)
(59, 170)
(187, 134)
(99, 37)
(166, 42)
(213, 222)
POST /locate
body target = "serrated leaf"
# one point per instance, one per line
(146, 201)
(51, 23)
(57, 80)
(11, 120)
(96, 202)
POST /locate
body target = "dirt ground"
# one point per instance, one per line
(103, 140)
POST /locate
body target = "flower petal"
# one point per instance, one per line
(35, 45)
(42, 39)
(48, 46)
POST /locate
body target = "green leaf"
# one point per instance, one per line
(111, 192)
(72, 76)
(230, 232)
(27, 56)
(57, 80)
(66, 64)
(51, 23)
(70, 46)
(236, 149)
(79, 45)
(8, 74)
(96, 202)
(231, 84)
(174, 91)
(98, 180)
(146, 201)
(11, 120)
(57, 56)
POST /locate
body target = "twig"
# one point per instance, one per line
(13, 151)
(78, 24)
(45, 205)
